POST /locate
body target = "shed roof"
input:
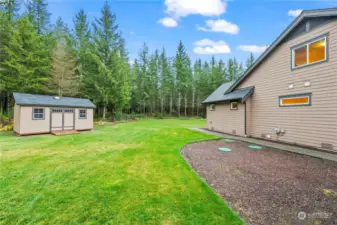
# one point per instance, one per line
(46, 100)
(240, 94)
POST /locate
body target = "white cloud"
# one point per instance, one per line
(168, 22)
(220, 26)
(132, 33)
(253, 48)
(209, 47)
(182, 8)
(131, 62)
(294, 13)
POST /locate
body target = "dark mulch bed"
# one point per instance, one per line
(268, 186)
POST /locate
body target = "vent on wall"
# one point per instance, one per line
(327, 146)
(263, 135)
(234, 132)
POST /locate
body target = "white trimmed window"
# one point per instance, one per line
(83, 114)
(38, 113)
(234, 106)
(311, 52)
(296, 100)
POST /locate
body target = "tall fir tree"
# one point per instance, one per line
(182, 66)
(27, 65)
(250, 61)
(104, 53)
(39, 15)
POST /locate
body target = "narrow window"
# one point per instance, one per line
(309, 53)
(38, 114)
(234, 105)
(83, 114)
(295, 100)
(301, 56)
(212, 107)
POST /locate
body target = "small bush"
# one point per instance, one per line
(7, 128)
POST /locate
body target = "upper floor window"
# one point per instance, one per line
(212, 107)
(313, 51)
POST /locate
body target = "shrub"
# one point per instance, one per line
(7, 128)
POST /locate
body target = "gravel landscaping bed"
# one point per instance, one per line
(268, 186)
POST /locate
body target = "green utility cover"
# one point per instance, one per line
(229, 140)
(256, 147)
(225, 149)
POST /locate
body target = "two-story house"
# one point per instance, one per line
(290, 93)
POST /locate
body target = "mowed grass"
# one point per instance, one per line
(130, 173)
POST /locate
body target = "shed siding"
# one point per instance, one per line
(84, 124)
(310, 125)
(17, 118)
(30, 126)
(225, 120)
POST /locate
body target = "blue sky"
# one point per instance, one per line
(206, 27)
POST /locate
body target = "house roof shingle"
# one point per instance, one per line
(240, 94)
(46, 100)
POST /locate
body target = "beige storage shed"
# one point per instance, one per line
(40, 114)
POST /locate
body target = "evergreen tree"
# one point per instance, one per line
(39, 15)
(10, 8)
(182, 65)
(64, 80)
(26, 64)
(250, 61)
(81, 40)
(104, 54)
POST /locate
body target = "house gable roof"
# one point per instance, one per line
(46, 100)
(305, 14)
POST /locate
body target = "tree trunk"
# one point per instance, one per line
(171, 105)
(185, 106)
(198, 100)
(193, 97)
(104, 111)
(178, 104)
(162, 106)
(8, 102)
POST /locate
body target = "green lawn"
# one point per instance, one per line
(131, 173)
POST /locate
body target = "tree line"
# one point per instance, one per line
(90, 60)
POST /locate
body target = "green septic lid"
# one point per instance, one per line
(256, 147)
(229, 140)
(225, 149)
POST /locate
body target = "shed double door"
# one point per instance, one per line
(62, 119)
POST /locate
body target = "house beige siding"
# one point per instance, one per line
(16, 118)
(84, 124)
(30, 126)
(225, 120)
(306, 125)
